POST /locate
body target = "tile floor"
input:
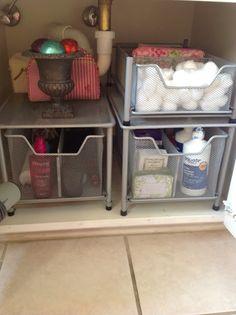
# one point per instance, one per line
(159, 274)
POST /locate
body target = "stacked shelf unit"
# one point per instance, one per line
(76, 176)
(219, 126)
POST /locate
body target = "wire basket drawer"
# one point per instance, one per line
(159, 87)
(72, 174)
(156, 174)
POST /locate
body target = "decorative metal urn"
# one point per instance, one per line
(55, 81)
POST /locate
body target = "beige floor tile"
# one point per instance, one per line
(69, 277)
(185, 273)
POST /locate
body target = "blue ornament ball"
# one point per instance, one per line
(52, 47)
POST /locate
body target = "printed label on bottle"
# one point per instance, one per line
(195, 173)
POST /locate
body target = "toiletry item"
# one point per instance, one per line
(181, 137)
(157, 184)
(41, 170)
(150, 160)
(196, 165)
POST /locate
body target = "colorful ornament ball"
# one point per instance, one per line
(70, 45)
(52, 47)
(37, 44)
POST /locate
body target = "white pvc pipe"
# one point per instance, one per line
(104, 50)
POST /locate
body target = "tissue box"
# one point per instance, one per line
(153, 185)
(18, 65)
(84, 74)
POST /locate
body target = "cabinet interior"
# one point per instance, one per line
(207, 25)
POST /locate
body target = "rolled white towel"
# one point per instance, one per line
(210, 70)
(192, 105)
(198, 78)
(214, 85)
(24, 177)
(189, 64)
(145, 104)
(196, 94)
(225, 80)
(149, 86)
(168, 106)
(172, 95)
(215, 93)
(184, 95)
(181, 78)
(213, 104)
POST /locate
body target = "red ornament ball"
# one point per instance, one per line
(70, 45)
(37, 44)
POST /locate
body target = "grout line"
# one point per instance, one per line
(134, 282)
(221, 313)
(3, 255)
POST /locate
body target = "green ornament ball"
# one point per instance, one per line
(52, 47)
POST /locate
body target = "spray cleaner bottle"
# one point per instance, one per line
(196, 165)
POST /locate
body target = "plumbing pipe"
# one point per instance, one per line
(104, 7)
(104, 36)
(59, 32)
(104, 50)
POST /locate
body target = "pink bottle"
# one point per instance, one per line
(40, 170)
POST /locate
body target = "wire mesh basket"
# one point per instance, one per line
(72, 174)
(167, 85)
(158, 174)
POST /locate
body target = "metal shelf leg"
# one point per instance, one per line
(124, 203)
(109, 169)
(3, 160)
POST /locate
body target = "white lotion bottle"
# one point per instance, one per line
(196, 165)
(181, 137)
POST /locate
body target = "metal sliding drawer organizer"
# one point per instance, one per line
(74, 175)
(174, 162)
(152, 94)
(212, 107)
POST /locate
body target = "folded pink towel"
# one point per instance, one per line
(160, 52)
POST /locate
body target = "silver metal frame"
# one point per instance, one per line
(120, 101)
(18, 112)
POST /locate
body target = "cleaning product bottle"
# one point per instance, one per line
(181, 137)
(41, 170)
(196, 165)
